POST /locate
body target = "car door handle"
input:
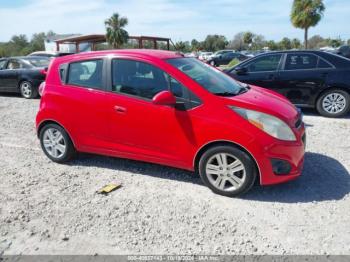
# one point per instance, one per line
(120, 109)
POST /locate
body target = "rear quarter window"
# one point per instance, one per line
(86, 74)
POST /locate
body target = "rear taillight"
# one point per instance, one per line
(43, 71)
(41, 88)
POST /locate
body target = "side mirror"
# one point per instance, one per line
(241, 70)
(164, 98)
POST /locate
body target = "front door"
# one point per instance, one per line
(262, 71)
(9, 76)
(139, 127)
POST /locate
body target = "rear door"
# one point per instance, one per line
(82, 100)
(302, 77)
(3, 63)
(261, 71)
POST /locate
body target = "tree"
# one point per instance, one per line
(296, 44)
(316, 42)
(214, 42)
(306, 14)
(272, 45)
(116, 34)
(195, 45)
(258, 42)
(38, 42)
(237, 43)
(348, 41)
(285, 44)
(182, 46)
(248, 38)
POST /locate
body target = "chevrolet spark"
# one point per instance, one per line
(161, 107)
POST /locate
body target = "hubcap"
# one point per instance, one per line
(54, 143)
(26, 89)
(225, 172)
(334, 103)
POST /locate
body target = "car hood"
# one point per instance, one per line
(266, 101)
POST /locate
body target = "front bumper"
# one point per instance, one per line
(290, 152)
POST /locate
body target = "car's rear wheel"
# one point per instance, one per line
(333, 103)
(212, 63)
(56, 143)
(227, 170)
(27, 90)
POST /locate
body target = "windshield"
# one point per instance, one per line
(211, 79)
(38, 61)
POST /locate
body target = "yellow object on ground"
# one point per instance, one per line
(109, 188)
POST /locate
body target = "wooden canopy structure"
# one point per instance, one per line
(99, 38)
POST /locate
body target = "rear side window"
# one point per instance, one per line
(86, 74)
(265, 63)
(301, 61)
(137, 78)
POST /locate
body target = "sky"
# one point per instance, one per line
(180, 20)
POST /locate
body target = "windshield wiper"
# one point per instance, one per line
(225, 94)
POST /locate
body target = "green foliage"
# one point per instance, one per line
(183, 46)
(19, 45)
(233, 62)
(248, 37)
(285, 44)
(296, 44)
(306, 14)
(116, 35)
(214, 42)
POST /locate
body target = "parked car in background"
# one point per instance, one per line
(225, 58)
(161, 107)
(50, 54)
(344, 51)
(307, 78)
(23, 74)
(205, 55)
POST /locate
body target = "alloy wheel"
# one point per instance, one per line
(26, 89)
(334, 103)
(225, 172)
(54, 143)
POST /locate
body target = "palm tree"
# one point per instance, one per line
(116, 34)
(305, 14)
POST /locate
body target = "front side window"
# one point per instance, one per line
(323, 64)
(86, 74)
(137, 78)
(209, 78)
(265, 63)
(2, 64)
(300, 61)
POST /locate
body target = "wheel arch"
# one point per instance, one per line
(215, 143)
(50, 121)
(332, 87)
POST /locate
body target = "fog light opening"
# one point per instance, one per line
(280, 167)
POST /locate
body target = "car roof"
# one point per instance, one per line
(144, 53)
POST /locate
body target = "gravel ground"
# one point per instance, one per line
(47, 208)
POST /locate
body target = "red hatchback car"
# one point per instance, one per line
(160, 107)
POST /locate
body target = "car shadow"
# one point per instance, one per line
(8, 94)
(313, 112)
(323, 178)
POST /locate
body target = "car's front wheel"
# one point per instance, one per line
(227, 170)
(27, 90)
(56, 143)
(212, 63)
(333, 103)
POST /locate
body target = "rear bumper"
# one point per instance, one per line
(290, 152)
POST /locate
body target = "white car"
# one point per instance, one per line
(204, 55)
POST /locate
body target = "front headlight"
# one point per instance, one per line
(268, 123)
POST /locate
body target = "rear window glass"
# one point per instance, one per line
(39, 62)
(86, 74)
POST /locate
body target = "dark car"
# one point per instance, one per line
(307, 78)
(344, 51)
(225, 58)
(50, 54)
(23, 74)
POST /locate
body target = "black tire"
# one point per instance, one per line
(70, 151)
(324, 112)
(27, 90)
(212, 63)
(251, 171)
